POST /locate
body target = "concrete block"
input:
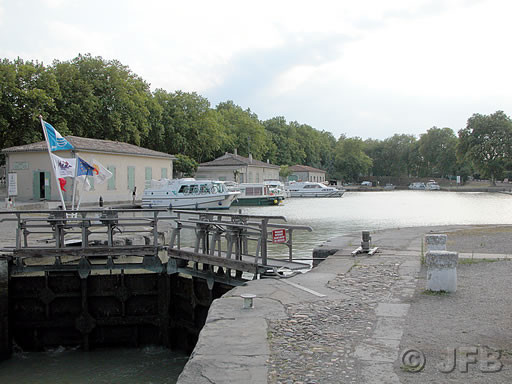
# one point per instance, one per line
(435, 242)
(442, 270)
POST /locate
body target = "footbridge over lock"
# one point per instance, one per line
(103, 277)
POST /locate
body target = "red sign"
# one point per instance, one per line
(279, 235)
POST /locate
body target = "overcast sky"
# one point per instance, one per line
(367, 68)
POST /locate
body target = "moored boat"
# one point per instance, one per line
(432, 186)
(257, 194)
(188, 193)
(313, 189)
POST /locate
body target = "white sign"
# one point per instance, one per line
(458, 179)
(13, 184)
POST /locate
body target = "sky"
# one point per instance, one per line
(366, 68)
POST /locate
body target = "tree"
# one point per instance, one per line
(438, 150)
(350, 160)
(245, 131)
(27, 90)
(486, 142)
(184, 166)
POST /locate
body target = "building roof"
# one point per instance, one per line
(93, 145)
(304, 168)
(230, 160)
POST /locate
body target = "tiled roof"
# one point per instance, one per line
(304, 168)
(93, 145)
(230, 159)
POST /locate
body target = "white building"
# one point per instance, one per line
(306, 173)
(132, 168)
(233, 167)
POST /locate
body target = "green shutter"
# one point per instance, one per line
(131, 178)
(149, 176)
(112, 180)
(91, 182)
(35, 185)
(164, 173)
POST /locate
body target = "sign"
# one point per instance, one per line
(458, 179)
(279, 235)
(20, 165)
(12, 184)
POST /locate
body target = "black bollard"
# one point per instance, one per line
(101, 201)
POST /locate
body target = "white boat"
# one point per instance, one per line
(188, 193)
(313, 189)
(417, 186)
(432, 186)
(277, 188)
(257, 194)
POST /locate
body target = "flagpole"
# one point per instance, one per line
(75, 181)
(52, 163)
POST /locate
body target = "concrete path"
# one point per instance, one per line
(342, 322)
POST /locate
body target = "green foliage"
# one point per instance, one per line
(486, 142)
(438, 151)
(92, 97)
(184, 166)
(350, 160)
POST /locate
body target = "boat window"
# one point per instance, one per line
(184, 189)
(195, 189)
(253, 191)
(204, 188)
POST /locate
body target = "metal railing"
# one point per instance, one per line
(228, 235)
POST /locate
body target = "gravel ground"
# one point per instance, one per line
(316, 344)
(477, 315)
(481, 239)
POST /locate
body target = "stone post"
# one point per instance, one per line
(442, 270)
(435, 242)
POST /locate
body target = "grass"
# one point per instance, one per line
(475, 261)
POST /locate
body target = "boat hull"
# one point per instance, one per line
(338, 193)
(258, 201)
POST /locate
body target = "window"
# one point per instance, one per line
(163, 173)
(130, 178)
(149, 176)
(112, 181)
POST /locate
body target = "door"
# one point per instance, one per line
(41, 185)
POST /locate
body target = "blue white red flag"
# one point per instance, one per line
(55, 139)
(84, 168)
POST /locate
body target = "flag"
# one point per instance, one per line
(100, 173)
(63, 167)
(55, 139)
(83, 179)
(84, 168)
(62, 182)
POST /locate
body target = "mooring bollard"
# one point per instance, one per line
(248, 300)
(436, 242)
(442, 270)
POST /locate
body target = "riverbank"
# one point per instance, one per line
(348, 319)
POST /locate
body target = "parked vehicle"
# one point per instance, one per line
(366, 184)
(417, 186)
(432, 186)
(188, 193)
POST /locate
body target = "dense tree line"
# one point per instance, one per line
(92, 97)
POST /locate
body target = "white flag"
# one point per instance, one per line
(64, 167)
(100, 173)
(84, 179)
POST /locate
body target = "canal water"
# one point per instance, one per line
(329, 218)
